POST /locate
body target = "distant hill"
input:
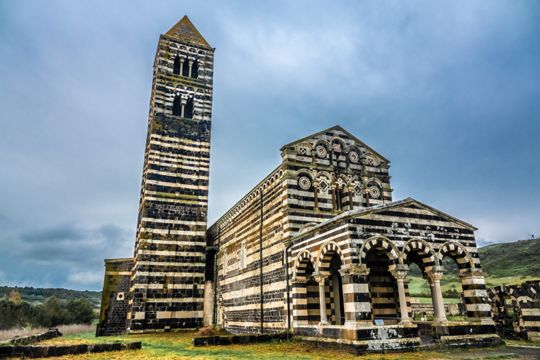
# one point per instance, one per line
(506, 263)
(39, 295)
(521, 258)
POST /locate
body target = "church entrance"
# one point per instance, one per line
(382, 287)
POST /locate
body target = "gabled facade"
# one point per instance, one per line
(319, 248)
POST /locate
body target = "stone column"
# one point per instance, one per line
(400, 274)
(208, 305)
(435, 276)
(182, 107)
(316, 195)
(334, 199)
(475, 296)
(321, 279)
(356, 296)
(190, 67)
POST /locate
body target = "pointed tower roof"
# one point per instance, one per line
(184, 30)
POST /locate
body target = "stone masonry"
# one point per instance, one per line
(319, 247)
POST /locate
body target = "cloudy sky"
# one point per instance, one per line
(448, 91)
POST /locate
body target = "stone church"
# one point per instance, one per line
(318, 248)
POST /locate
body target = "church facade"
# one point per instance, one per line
(318, 248)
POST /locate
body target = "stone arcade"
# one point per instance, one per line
(318, 247)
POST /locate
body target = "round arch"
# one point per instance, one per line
(301, 263)
(459, 253)
(327, 250)
(423, 249)
(382, 243)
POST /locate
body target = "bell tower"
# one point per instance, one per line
(167, 284)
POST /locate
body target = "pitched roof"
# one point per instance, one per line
(336, 127)
(377, 208)
(184, 30)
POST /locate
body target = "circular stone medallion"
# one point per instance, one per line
(304, 182)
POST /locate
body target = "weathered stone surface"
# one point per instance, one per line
(27, 351)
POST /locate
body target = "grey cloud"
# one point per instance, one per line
(445, 90)
(66, 254)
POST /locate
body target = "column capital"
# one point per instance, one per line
(354, 269)
(320, 278)
(400, 272)
(436, 273)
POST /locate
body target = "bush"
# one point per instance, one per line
(49, 314)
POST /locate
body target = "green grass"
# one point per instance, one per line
(178, 346)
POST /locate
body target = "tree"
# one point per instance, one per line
(79, 311)
(51, 313)
(15, 297)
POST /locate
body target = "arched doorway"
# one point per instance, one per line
(458, 269)
(330, 284)
(382, 287)
(420, 259)
(335, 285)
(305, 292)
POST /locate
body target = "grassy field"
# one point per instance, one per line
(178, 346)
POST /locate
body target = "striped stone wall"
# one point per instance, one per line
(115, 297)
(320, 177)
(392, 233)
(330, 172)
(523, 301)
(168, 275)
(250, 257)
(327, 212)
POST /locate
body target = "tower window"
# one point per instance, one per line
(176, 66)
(195, 70)
(188, 111)
(177, 106)
(185, 68)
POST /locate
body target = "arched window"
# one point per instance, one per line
(188, 111)
(177, 106)
(195, 70)
(176, 66)
(185, 68)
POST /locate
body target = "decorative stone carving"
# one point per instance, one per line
(321, 151)
(354, 269)
(304, 182)
(400, 272)
(436, 273)
(320, 277)
(374, 192)
(354, 157)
